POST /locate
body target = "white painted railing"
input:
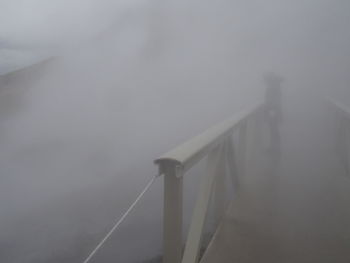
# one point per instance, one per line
(342, 133)
(215, 144)
(222, 156)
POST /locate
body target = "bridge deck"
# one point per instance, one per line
(299, 213)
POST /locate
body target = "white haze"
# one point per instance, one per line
(130, 80)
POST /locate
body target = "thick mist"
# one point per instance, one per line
(124, 82)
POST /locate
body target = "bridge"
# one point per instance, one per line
(270, 193)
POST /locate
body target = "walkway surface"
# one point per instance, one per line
(298, 212)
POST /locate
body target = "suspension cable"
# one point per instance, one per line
(127, 212)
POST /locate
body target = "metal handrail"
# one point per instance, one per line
(190, 152)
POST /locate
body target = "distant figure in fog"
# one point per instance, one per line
(273, 111)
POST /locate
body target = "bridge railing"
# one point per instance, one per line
(216, 144)
(342, 133)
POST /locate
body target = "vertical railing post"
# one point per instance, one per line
(273, 109)
(242, 148)
(257, 135)
(337, 135)
(347, 143)
(172, 214)
(195, 233)
(344, 142)
(219, 191)
(232, 164)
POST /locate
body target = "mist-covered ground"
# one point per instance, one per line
(127, 82)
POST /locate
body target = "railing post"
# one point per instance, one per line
(337, 135)
(231, 163)
(242, 148)
(199, 214)
(342, 134)
(257, 140)
(347, 143)
(343, 142)
(219, 191)
(172, 214)
(273, 110)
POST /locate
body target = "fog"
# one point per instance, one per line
(122, 82)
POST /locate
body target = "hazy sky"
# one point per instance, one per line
(33, 29)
